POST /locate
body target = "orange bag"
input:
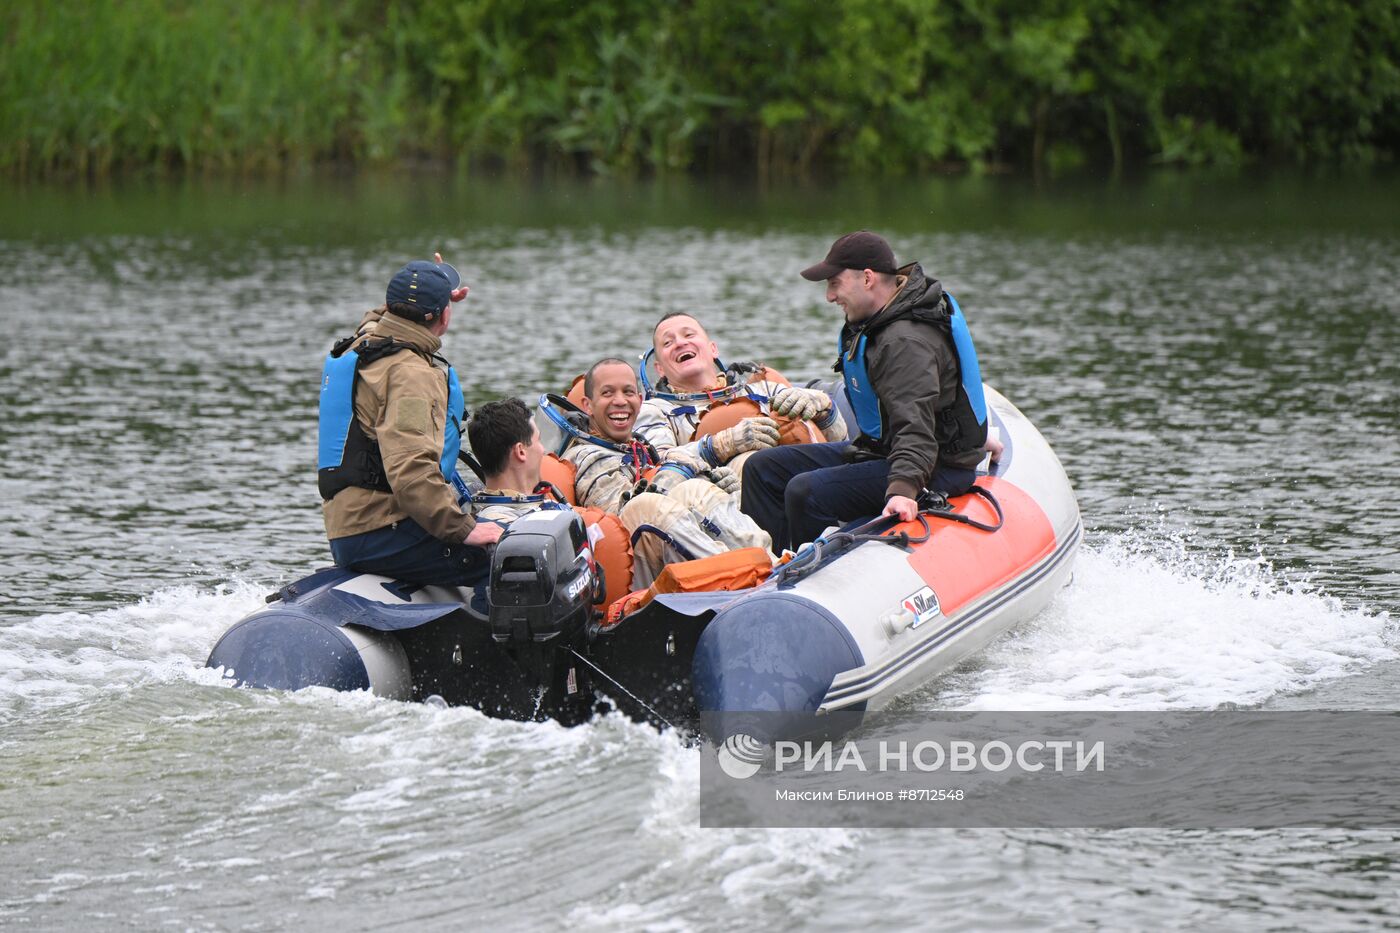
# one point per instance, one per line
(732, 570)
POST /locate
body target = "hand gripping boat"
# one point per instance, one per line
(857, 618)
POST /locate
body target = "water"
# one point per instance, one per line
(1214, 361)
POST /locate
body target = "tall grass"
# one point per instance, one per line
(214, 84)
(629, 86)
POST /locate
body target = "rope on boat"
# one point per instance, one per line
(606, 676)
(936, 505)
(932, 505)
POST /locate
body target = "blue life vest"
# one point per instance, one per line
(345, 455)
(866, 404)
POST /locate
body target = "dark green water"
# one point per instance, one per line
(1215, 362)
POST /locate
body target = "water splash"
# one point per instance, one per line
(1154, 620)
(60, 658)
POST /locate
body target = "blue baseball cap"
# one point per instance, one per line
(424, 285)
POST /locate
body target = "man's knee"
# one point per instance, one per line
(800, 491)
(699, 494)
(759, 468)
(649, 508)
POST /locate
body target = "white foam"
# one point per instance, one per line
(60, 658)
(1150, 622)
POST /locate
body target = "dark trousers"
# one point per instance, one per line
(796, 491)
(406, 552)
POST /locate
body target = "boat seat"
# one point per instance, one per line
(575, 393)
(560, 473)
(612, 552)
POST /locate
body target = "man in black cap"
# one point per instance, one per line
(912, 379)
(391, 417)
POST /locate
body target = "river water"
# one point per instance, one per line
(1215, 361)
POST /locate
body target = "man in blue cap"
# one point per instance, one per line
(391, 417)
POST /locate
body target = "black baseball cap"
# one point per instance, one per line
(859, 250)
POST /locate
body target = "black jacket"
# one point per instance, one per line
(913, 368)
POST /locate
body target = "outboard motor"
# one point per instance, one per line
(543, 582)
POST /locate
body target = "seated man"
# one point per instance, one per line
(912, 378)
(693, 383)
(610, 463)
(390, 415)
(506, 441)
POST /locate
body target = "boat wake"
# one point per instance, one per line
(1152, 622)
(62, 658)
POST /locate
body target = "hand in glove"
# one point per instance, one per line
(803, 404)
(663, 480)
(724, 478)
(683, 457)
(749, 434)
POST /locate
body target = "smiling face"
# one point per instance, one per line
(613, 406)
(685, 354)
(852, 290)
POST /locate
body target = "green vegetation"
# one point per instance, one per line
(774, 88)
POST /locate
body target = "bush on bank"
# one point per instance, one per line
(777, 87)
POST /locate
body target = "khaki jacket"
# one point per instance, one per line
(401, 402)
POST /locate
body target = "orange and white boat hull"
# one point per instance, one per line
(880, 620)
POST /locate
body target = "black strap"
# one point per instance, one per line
(472, 464)
(931, 504)
(935, 505)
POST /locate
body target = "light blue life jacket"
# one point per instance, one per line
(971, 401)
(345, 455)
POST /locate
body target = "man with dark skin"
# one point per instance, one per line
(606, 462)
(663, 528)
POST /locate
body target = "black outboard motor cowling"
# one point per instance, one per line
(543, 581)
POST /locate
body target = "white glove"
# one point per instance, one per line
(683, 457)
(664, 479)
(724, 478)
(802, 404)
(749, 434)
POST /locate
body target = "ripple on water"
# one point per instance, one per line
(1229, 430)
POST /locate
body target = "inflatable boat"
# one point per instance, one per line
(853, 620)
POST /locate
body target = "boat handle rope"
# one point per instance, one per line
(610, 679)
(932, 505)
(936, 505)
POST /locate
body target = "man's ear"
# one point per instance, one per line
(519, 451)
